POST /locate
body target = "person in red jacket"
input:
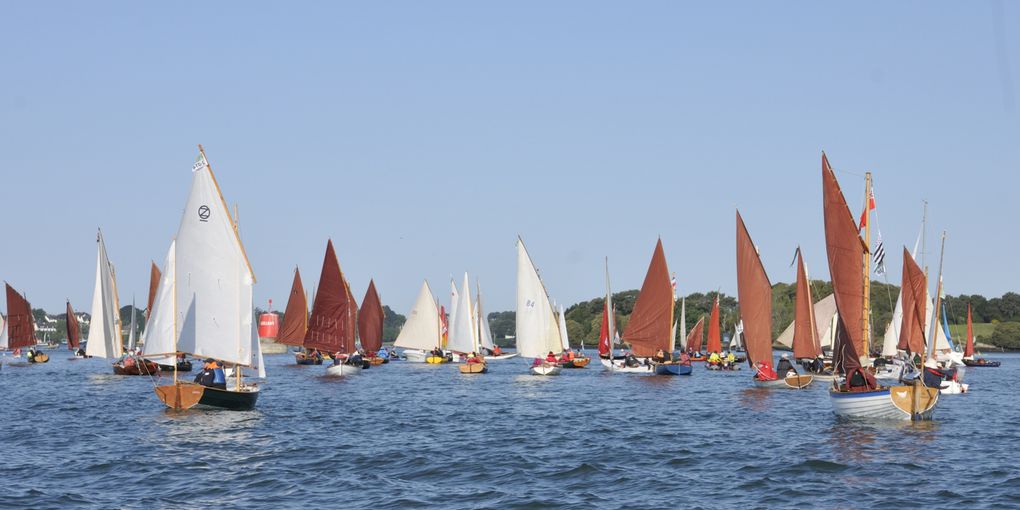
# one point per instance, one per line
(765, 371)
(551, 358)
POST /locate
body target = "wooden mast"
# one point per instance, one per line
(930, 351)
(610, 313)
(866, 337)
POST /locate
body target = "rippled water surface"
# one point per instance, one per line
(413, 435)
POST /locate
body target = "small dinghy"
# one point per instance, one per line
(473, 368)
(793, 382)
(501, 357)
(136, 367)
(546, 369)
(672, 369)
(185, 395)
(344, 369)
(981, 362)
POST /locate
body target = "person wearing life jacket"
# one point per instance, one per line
(563, 358)
(474, 359)
(538, 362)
(219, 378)
(933, 374)
(496, 351)
(129, 361)
(731, 358)
(714, 358)
(551, 358)
(207, 375)
(684, 358)
(570, 355)
(765, 371)
(631, 360)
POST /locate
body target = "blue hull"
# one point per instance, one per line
(673, 369)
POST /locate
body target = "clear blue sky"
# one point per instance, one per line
(423, 137)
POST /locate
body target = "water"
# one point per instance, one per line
(413, 435)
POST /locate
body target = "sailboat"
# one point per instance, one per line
(203, 306)
(73, 333)
(574, 361)
(650, 329)
(19, 330)
(295, 321)
(422, 331)
(695, 338)
(370, 325)
(331, 326)
(714, 344)
(755, 294)
(537, 330)
(464, 331)
(807, 346)
(857, 393)
(968, 350)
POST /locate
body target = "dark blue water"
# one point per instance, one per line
(414, 435)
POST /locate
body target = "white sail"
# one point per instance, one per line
(563, 330)
(131, 333)
(105, 340)
(825, 321)
(462, 331)
(158, 339)
(537, 332)
(258, 364)
(4, 340)
(941, 342)
(484, 331)
(421, 330)
(213, 278)
(892, 331)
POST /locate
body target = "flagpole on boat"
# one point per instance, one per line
(866, 339)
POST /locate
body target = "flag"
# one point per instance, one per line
(795, 253)
(443, 325)
(869, 207)
(878, 256)
(672, 282)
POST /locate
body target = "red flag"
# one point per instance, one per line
(871, 207)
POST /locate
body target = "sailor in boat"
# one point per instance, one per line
(714, 359)
(537, 362)
(80, 352)
(859, 380)
(730, 361)
(355, 359)
(631, 360)
(684, 359)
(474, 359)
(785, 368)
(816, 365)
(934, 374)
(437, 352)
(212, 375)
(765, 372)
(551, 358)
(496, 351)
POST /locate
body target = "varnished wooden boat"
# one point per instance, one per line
(301, 359)
(145, 367)
(473, 368)
(981, 362)
(576, 363)
(185, 395)
(793, 382)
(41, 357)
(182, 366)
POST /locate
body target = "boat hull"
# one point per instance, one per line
(139, 368)
(793, 382)
(576, 363)
(619, 367)
(546, 369)
(415, 356)
(341, 370)
(672, 369)
(185, 395)
(502, 357)
(436, 360)
(473, 368)
(892, 403)
(42, 357)
(981, 363)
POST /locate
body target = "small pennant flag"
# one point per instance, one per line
(870, 207)
(878, 257)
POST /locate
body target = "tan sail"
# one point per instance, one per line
(754, 290)
(295, 316)
(651, 321)
(696, 336)
(806, 342)
(914, 293)
(331, 326)
(370, 320)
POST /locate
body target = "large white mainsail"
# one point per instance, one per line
(158, 340)
(484, 331)
(213, 278)
(4, 340)
(462, 331)
(563, 330)
(421, 331)
(134, 326)
(105, 340)
(537, 331)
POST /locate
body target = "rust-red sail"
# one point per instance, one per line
(805, 331)
(154, 276)
(696, 335)
(714, 329)
(352, 319)
(295, 317)
(968, 350)
(73, 329)
(754, 291)
(370, 320)
(20, 324)
(914, 295)
(651, 321)
(845, 250)
(331, 325)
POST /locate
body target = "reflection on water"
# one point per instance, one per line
(414, 435)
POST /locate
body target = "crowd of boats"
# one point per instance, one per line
(200, 306)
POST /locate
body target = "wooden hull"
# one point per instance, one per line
(672, 369)
(473, 368)
(793, 382)
(301, 359)
(139, 368)
(981, 363)
(617, 367)
(546, 369)
(39, 358)
(576, 363)
(892, 403)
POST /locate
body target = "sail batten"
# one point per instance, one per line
(651, 321)
(754, 291)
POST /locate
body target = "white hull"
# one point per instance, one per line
(502, 357)
(872, 404)
(415, 356)
(953, 388)
(618, 366)
(341, 370)
(546, 369)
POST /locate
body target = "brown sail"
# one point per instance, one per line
(845, 250)
(352, 319)
(914, 294)
(695, 336)
(20, 324)
(714, 329)
(295, 317)
(968, 350)
(370, 320)
(154, 276)
(330, 325)
(651, 321)
(805, 330)
(73, 329)
(754, 291)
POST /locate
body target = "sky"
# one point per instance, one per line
(424, 137)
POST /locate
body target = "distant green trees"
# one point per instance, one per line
(1006, 335)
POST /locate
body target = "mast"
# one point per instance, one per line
(610, 313)
(866, 337)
